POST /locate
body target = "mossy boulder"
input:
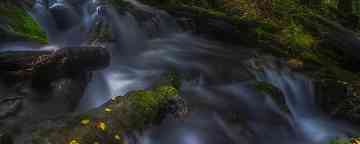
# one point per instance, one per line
(113, 121)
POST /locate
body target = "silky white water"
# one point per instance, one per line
(144, 49)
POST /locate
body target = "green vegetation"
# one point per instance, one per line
(274, 93)
(297, 39)
(341, 141)
(19, 22)
(108, 123)
(174, 79)
(148, 104)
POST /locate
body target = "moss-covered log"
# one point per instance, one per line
(112, 122)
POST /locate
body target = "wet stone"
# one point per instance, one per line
(9, 106)
(338, 99)
(6, 138)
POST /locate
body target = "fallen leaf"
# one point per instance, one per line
(117, 137)
(108, 110)
(85, 121)
(355, 141)
(295, 63)
(74, 142)
(101, 125)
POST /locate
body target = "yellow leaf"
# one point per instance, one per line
(108, 110)
(355, 141)
(74, 142)
(295, 63)
(85, 121)
(117, 137)
(101, 125)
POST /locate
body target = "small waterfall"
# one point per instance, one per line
(44, 18)
(254, 117)
(64, 24)
(144, 48)
(298, 91)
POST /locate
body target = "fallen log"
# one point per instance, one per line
(52, 64)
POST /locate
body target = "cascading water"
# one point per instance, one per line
(142, 51)
(300, 99)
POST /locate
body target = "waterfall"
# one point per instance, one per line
(257, 117)
(144, 48)
(298, 91)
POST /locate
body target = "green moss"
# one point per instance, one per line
(287, 8)
(310, 56)
(147, 104)
(296, 37)
(174, 79)
(166, 92)
(340, 141)
(108, 124)
(264, 87)
(22, 24)
(274, 93)
(266, 31)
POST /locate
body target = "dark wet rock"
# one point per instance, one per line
(201, 22)
(215, 26)
(65, 17)
(24, 3)
(7, 35)
(337, 38)
(51, 87)
(339, 99)
(6, 138)
(9, 106)
(70, 90)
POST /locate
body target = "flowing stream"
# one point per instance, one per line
(143, 50)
